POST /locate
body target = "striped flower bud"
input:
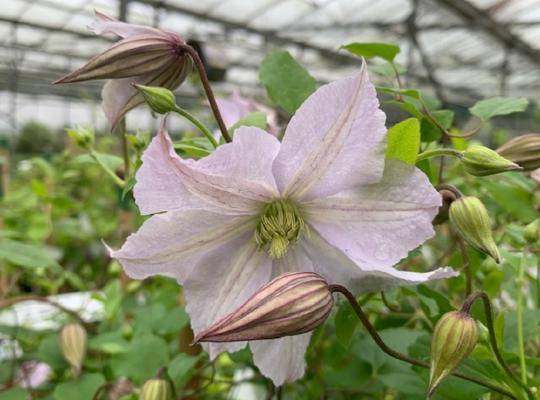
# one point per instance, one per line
(454, 338)
(290, 304)
(73, 345)
(144, 55)
(481, 161)
(156, 389)
(160, 100)
(470, 218)
(524, 150)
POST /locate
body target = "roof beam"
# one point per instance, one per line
(477, 17)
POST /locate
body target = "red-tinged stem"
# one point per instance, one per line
(396, 354)
(207, 89)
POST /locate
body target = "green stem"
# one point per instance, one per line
(119, 182)
(396, 354)
(519, 311)
(191, 118)
(438, 153)
(466, 308)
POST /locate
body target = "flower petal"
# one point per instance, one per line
(536, 175)
(333, 265)
(235, 179)
(171, 243)
(377, 225)
(334, 142)
(222, 281)
(283, 359)
(295, 260)
(105, 24)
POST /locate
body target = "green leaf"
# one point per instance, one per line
(430, 131)
(111, 161)
(413, 93)
(144, 357)
(489, 108)
(385, 51)
(287, 82)
(256, 119)
(15, 393)
(346, 323)
(27, 255)
(83, 388)
(192, 150)
(386, 70)
(181, 368)
(50, 353)
(404, 141)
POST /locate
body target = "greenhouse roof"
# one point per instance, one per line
(458, 50)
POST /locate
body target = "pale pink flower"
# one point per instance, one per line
(323, 200)
(236, 106)
(536, 175)
(144, 55)
(32, 374)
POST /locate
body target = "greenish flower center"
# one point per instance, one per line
(279, 226)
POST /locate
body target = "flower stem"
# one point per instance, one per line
(519, 312)
(438, 153)
(198, 124)
(391, 352)
(492, 338)
(125, 150)
(116, 179)
(207, 89)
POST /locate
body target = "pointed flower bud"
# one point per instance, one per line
(73, 345)
(531, 233)
(524, 150)
(470, 217)
(160, 100)
(290, 304)
(82, 137)
(481, 161)
(144, 55)
(454, 338)
(156, 389)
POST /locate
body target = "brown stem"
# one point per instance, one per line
(121, 128)
(466, 308)
(14, 300)
(395, 354)
(207, 89)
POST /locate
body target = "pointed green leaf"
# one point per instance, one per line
(404, 141)
(489, 108)
(385, 51)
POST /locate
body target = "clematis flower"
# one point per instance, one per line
(32, 374)
(145, 56)
(323, 200)
(236, 106)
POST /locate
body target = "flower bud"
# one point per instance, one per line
(531, 233)
(454, 338)
(470, 217)
(290, 304)
(73, 345)
(481, 161)
(524, 150)
(82, 137)
(156, 389)
(160, 100)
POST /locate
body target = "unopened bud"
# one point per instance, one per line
(290, 304)
(159, 99)
(470, 217)
(73, 345)
(156, 389)
(481, 161)
(524, 150)
(531, 233)
(82, 137)
(454, 338)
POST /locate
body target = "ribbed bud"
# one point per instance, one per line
(160, 100)
(531, 233)
(481, 161)
(524, 150)
(290, 304)
(454, 338)
(470, 218)
(156, 389)
(73, 345)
